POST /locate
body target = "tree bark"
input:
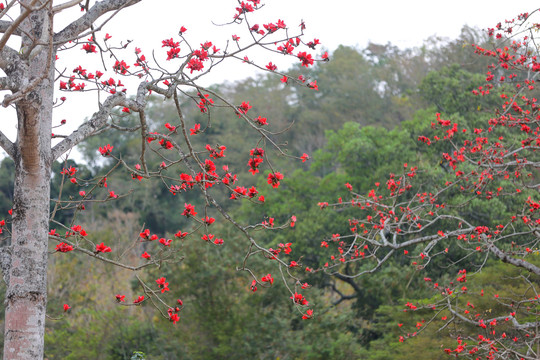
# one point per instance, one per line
(26, 295)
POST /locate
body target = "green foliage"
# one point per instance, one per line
(138, 355)
(450, 89)
(362, 125)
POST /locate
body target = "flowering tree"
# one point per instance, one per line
(31, 81)
(483, 209)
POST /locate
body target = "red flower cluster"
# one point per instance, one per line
(244, 108)
(89, 48)
(162, 284)
(120, 67)
(256, 160)
(305, 58)
(268, 278)
(63, 247)
(189, 210)
(274, 178)
(205, 102)
(102, 248)
(174, 50)
(299, 299)
(106, 150)
(216, 153)
(261, 121)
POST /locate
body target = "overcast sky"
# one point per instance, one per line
(334, 22)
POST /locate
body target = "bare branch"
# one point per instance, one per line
(9, 58)
(515, 322)
(102, 258)
(7, 145)
(85, 22)
(15, 24)
(341, 296)
(98, 120)
(66, 5)
(4, 26)
(8, 99)
(511, 260)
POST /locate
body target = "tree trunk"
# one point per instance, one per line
(26, 295)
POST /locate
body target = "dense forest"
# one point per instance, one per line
(361, 125)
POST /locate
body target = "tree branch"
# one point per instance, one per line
(515, 322)
(341, 296)
(7, 84)
(65, 5)
(8, 99)
(97, 256)
(504, 257)
(73, 30)
(98, 120)
(4, 25)
(7, 145)
(349, 281)
(9, 58)
(15, 24)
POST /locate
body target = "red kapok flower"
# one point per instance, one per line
(174, 318)
(305, 58)
(102, 248)
(308, 314)
(299, 299)
(106, 150)
(268, 278)
(274, 178)
(162, 284)
(271, 67)
(189, 210)
(196, 129)
(63, 247)
(181, 234)
(254, 285)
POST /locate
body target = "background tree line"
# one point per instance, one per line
(362, 124)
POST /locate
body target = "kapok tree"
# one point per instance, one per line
(485, 209)
(32, 82)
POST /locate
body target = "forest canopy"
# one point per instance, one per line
(362, 124)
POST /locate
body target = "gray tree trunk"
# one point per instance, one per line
(26, 296)
(30, 75)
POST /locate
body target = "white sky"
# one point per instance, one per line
(333, 22)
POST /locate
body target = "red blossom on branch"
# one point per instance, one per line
(274, 179)
(106, 150)
(63, 247)
(102, 248)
